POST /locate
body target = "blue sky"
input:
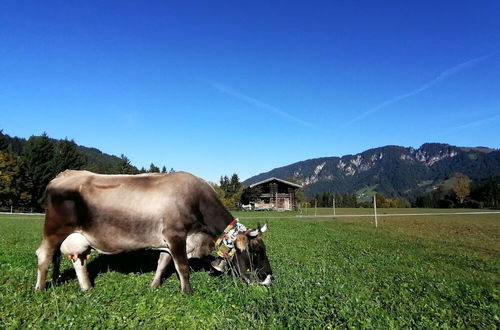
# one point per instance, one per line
(217, 87)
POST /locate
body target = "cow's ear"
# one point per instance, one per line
(241, 242)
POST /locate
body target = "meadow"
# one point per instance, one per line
(412, 272)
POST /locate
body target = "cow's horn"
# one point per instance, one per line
(253, 233)
(264, 228)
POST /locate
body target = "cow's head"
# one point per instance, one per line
(250, 260)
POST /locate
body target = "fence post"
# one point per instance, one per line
(375, 210)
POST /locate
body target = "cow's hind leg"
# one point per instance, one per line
(163, 262)
(79, 263)
(177, 245)
(45, 254)
(56, 262)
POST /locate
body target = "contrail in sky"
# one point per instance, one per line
(253, 101)
(477, 122)
(443, 75)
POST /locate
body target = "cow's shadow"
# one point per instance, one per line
(141, 261)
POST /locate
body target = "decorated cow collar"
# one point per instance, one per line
(224, 246)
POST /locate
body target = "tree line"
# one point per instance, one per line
(458, 192)
(463, 193)
(27, 166)
(326, 200)
(229, 190)
(352, 200)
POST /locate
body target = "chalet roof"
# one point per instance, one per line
(276, 179)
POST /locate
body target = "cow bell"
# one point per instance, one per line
(220, 265)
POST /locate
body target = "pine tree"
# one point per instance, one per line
(338, 200)
(235, 184)
(124, 166)
(38, 156)
(66, 157)
(153, 168)
(164, 169)
(15, 186)
(224, 183)
(4, 142)
(232, 190)
(492, 185)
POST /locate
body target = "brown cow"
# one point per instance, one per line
(178, 214)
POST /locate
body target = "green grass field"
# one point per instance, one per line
(418, 272)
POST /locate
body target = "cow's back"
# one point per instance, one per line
(138, 194)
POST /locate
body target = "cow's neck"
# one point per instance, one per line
(223, 221)
(216, 216)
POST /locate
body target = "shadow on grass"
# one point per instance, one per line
(141, 261)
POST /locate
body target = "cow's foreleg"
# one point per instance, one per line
(177, 245)
(79, 263)
(163, 262)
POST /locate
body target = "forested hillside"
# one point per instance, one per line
(27, 166)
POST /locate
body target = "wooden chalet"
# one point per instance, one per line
(277, 194)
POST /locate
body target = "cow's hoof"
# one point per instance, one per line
(188, 291)
(155, 284)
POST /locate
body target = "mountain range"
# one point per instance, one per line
(394, 171)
